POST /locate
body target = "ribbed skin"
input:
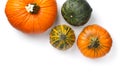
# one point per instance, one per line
(94, 41)
(28, 22)
(62, 37)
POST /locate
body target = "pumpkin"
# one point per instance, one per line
(94, 41)
(31, 16)
(62, 37)
(76, 12)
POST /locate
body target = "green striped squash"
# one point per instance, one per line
(62, 37)
(76, 12)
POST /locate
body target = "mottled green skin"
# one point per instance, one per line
(62, 37)
(76, 12)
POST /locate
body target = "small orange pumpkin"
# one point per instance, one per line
(94, 41)
(31, 16)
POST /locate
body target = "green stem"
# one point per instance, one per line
(94, 43)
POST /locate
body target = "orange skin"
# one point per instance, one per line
(26, 22)
(84, 41)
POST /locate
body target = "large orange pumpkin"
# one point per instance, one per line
(31, 16)
(94, 41)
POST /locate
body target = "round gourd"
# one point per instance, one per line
(94, 41)
(31, 16)
(76, 12)
(62, 37)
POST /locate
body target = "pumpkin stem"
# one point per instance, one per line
(62, 37)
(94, 43)
(32, 8)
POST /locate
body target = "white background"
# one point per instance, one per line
(33, 53)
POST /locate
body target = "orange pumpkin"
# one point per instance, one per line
(94, 41)
(31, 16)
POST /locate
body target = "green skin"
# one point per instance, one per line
(76, 12)
(62, 37)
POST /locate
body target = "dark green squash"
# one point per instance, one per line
(62, 37)
(76, 12)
